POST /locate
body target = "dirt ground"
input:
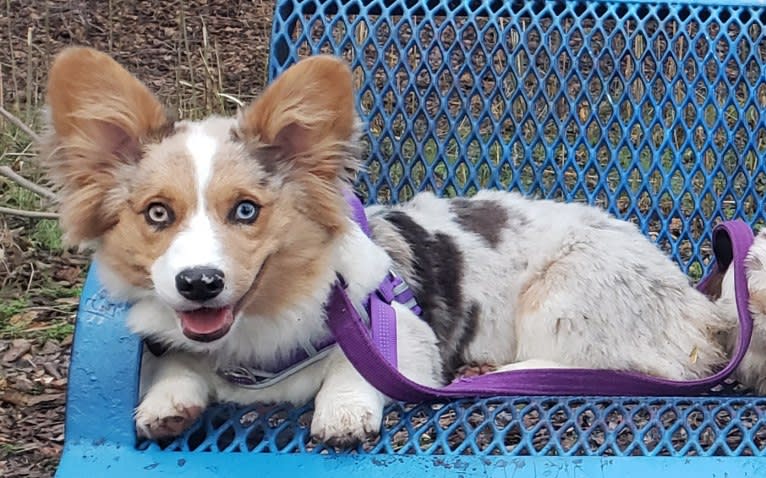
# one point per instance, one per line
(193, 55)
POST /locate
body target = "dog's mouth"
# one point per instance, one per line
(206, 324)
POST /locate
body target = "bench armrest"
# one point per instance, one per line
(104, 371)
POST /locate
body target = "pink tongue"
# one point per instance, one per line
(206, 321)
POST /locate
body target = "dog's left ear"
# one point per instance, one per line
(306, 118)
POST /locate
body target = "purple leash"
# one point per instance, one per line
(374, 361)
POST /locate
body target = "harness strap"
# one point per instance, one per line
(733, 239)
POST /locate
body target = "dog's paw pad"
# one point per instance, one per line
(345, 426)
(165, 421)
(474, 370)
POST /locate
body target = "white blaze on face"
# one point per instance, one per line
(196, 244)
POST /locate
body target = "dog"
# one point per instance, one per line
(227, 235)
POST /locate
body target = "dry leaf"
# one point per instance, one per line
(14, 398)
(67, 274)
(18, 348)
(68, 300)
(44, 398)
(24, 318)
(693, 355)
(50, 347)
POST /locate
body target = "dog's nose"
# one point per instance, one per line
(199, 283)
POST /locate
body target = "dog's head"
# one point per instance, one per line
(212, 217)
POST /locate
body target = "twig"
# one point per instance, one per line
(20, 124)
(23, 213)
(42, 327)
(26, 183)
(31, 277)
(29, 74)
(43, 308)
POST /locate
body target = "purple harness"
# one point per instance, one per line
(378, 317)
(367, 336)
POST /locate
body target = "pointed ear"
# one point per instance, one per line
(91, 96)
(100, 116)
(307, 115)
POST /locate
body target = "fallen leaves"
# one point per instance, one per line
(32, 396)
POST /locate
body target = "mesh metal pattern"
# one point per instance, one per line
(713, 426)
(652, 111)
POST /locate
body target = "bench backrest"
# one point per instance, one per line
(652, 111)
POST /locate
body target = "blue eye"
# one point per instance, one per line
(245, 212)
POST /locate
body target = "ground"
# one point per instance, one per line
(196, 56)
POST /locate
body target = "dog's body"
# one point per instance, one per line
(228, 235)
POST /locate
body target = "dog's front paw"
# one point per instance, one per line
(346, 425)
(169, 408)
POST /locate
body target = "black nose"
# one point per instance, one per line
(199, 283)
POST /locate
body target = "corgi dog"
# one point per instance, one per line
(227, 234)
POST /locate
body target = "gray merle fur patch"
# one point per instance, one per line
(438, 266)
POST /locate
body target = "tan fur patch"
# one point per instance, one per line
(164, 175)
(304, 128)
(758, 301)
(305, 124)
(534, 292)
(532, 295)
(100, 118)
(296, 245)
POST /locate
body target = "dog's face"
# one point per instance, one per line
(216, 217)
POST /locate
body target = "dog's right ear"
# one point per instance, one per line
(100, 117)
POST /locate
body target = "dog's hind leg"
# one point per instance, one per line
(752, 371)
(474, 369)
(530, 364)
(631, 310)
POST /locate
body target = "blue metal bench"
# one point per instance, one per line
(653, 111)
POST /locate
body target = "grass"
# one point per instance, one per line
(57, 332)
(21, 316)
(7, 449)
(12, 307)
(46, 234)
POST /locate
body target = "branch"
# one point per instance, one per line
(26, 183)
(20, 124)
(23, 213)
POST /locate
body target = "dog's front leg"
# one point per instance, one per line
(347, 409)
(176, 393)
